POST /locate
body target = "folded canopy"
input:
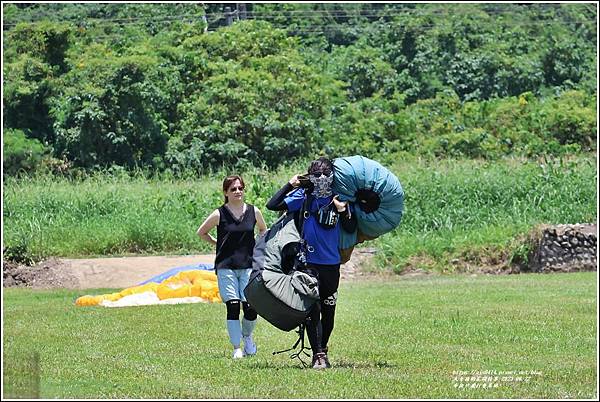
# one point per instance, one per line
(188, 284)
(376, 193)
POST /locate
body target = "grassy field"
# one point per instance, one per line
(534, 336)
(452, 208)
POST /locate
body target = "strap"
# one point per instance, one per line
(303, 213)
(301, 260)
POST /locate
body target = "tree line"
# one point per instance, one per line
(187, 87)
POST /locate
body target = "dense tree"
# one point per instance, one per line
(172, 86)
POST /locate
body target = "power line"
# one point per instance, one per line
(290, 13)
(300, 30)
(97, 21)
(312, 29)
(294, 13)
(440, 24)
(326, 29)
(284, 14)
(146, 22)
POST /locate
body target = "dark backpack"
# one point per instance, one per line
(277, 289)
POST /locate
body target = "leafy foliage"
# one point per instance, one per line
(169, 87)
(21, 154)
(260, 106)
(121, 102)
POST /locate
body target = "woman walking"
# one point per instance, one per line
(235, 221)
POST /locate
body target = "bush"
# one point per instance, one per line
(523, 125)
(27, 89)
(471, 143)
(364, 71)
(18, 253)
(263, 109)
(572, 120)
(110, 113)
(46, 41)
(21, 154)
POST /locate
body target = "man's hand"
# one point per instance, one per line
(339, 205)
(295, 181)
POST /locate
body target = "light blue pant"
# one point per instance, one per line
(232, 283)
(231, 287)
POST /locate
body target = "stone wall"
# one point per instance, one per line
(565, 248)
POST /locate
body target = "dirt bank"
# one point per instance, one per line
(558, 248)
(123, 272)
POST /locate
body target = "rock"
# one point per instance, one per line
(564, 248)
(9, 281)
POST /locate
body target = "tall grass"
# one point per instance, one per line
(451, 207)
(465, 207)
(109, 215)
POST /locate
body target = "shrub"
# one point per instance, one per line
(21, 154)
(110, 113)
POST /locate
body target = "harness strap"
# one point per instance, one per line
(302, 217)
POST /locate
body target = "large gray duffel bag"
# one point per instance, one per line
(279, 293)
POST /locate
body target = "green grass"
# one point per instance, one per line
(402, 338)
(458, 207)
(452, 207)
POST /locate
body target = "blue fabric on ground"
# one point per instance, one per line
(176, 270)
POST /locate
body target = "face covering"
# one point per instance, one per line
(322, 185)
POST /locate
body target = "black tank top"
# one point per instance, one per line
(235, 239)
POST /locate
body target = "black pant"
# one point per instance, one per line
(321, 318)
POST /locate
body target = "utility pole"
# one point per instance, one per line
(205, 23)
(228, 16)
(204, 19)
(241, 8)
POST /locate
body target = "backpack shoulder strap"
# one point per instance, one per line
(302, 215)
(304, 211)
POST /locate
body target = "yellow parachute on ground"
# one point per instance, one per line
(179, 285)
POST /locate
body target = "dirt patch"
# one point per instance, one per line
(359, 265)
(44, 275)
(486, 262)
(90, 273)
(124, 272)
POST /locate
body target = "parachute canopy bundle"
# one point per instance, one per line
(376, 193)
(189, 284)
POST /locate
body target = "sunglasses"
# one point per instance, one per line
(319, 174)
(234, 189)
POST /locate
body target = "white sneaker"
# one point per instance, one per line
(249, 346)
(237, 353)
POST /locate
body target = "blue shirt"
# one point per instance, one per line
(322, 244)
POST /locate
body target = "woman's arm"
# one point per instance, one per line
(207, 226)
(260, 221)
